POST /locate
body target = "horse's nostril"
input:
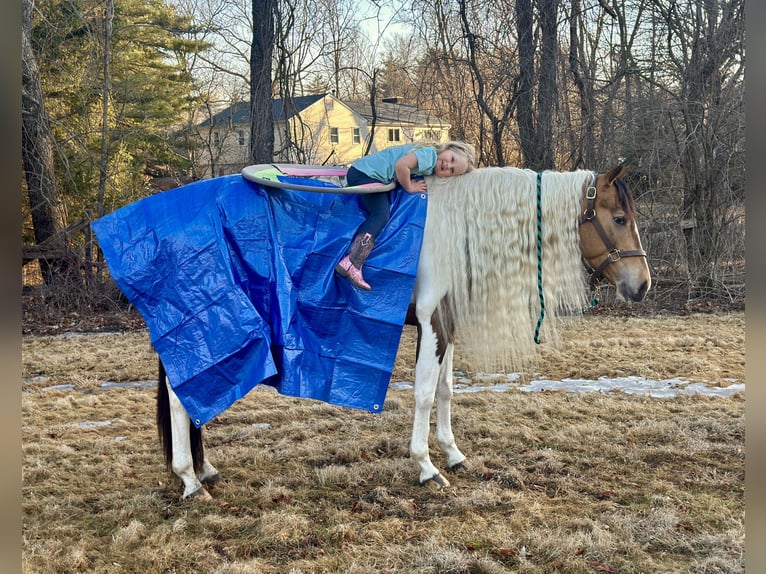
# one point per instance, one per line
(641, 293)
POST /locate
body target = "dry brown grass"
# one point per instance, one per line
(566, 483)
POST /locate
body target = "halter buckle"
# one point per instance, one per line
(614, 255)
(590, 193)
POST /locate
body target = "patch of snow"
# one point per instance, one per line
(85, 334)
(629, 385)
(36, 380)
(67, 387)
(401, 385)
(128, 385)
(93, 424)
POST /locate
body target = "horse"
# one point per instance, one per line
(503, 249)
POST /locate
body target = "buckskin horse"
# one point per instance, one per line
(502, 249)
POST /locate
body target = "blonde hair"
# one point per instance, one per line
(455, 145)
(460, 147)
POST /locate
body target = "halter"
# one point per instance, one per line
(613, 254)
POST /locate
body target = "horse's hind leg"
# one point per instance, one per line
(444, 436)
(209, 474)
(182, 462)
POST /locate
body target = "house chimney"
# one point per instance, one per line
(393, 100)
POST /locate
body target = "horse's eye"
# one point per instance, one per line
(620, 220)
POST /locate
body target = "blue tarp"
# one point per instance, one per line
(236, 284)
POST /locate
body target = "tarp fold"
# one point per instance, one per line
(236, 284)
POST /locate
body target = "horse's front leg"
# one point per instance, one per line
(426, 376)
(182, 462)
(444, 436)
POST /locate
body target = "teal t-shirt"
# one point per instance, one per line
(380, 165)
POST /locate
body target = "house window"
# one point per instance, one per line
(393, 135)
(241, 137)
(216, 138)
(333, 135)
(355, 138)
(434, 135)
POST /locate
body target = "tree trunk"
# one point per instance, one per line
(547, 91)
(261, 53)
(105, 91)
(535, 115)
(37, 157)
(582, 152)
(373, 111)
(525, 114)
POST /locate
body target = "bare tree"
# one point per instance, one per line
(581, 133)
(261, 111)
(105, 89)
(705, 43)
(535, 117)
(399, 72)
(498, 121)
(469, 71)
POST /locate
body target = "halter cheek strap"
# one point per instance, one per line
(589, 215)
(613, 254)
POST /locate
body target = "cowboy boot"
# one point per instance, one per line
(351, 265)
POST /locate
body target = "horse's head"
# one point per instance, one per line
(609, 237)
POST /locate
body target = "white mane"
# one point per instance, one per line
(481, 230)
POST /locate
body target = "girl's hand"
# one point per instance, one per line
(415, 186)
(403, 167)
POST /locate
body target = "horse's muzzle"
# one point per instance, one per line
(635, 295)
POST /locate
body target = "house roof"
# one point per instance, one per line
(394, 113)
(239, 113)
(386, 112)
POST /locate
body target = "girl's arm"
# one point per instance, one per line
(403, 167)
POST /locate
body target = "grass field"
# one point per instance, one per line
(556, 482)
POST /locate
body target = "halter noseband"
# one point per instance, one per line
(613, 254)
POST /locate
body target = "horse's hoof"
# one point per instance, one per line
(460, 466)
(211, 480)
(199, 494)
(436, 482)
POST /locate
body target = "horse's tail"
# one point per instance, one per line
(165, 429)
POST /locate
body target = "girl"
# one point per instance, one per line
(398, 163)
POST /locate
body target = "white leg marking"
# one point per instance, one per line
(426, 374)
(430, 288)
(182, 459)
(444, 436)
(209, 474)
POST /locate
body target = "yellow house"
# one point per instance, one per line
(316, 130)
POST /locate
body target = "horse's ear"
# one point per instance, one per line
(617, 173)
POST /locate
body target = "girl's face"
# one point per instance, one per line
(449, 163)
